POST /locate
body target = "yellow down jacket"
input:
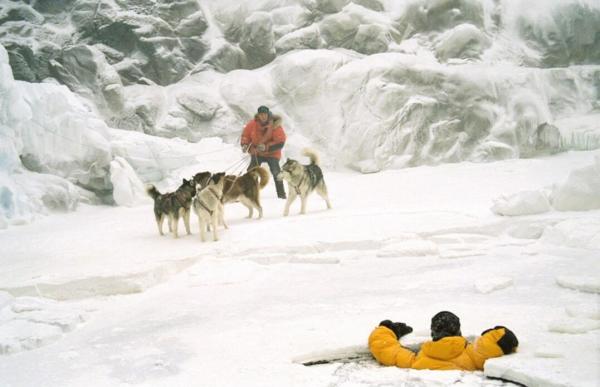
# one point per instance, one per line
(449, 353)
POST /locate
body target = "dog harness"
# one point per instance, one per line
(297, 187)
(314, 175)
(182, 203)
(210, 212)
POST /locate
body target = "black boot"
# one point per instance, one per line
(280, 189)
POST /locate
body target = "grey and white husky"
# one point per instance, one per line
(303, 180)
(173, 205)
(207, 205)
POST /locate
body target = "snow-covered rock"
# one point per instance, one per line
(430, 15)
(258, 39)
(464, 41)
(522, 203)
(582, 233)
(152, 158)
(304, 38)
(587, 284)
(86, 71)
(526, 231)
(581, 190)
(128, 190)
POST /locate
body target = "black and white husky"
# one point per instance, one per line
(303, 180)
(207, 205)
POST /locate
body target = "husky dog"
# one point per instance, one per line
(207, 205)
(173, 205)
(303, 180)
(246, 189)
(202, 178)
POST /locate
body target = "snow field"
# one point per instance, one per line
(140, 308)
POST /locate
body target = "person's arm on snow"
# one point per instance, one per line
(493, 342)
(385, 347)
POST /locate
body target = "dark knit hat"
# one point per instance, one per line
(263, 109)
(445, 324)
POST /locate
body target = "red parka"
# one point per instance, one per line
(270, 134)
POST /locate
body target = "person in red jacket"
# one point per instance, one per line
(263, 137)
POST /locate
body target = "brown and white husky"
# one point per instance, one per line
(246, 189)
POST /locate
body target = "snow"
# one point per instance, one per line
(581, 190)
(433, 102)
(488, 285)
(99, 294)
(587, 311)
(128, 189)
(522, 203)
(583, 283)
(573, 325)
(578, 232)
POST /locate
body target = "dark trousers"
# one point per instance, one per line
(275, 169)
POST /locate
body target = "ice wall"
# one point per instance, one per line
(56, 152)
(372, 84)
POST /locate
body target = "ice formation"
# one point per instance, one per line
(373, 84)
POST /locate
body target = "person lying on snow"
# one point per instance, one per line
(448, 350)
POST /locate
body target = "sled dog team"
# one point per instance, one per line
(207, 193)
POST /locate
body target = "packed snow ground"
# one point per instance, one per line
(97, 297)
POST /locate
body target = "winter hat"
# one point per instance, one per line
(445, 324)
(263, 109)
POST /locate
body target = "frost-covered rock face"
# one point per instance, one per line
(372, 84)
(55, 152)
(564, 34)
(461, 92)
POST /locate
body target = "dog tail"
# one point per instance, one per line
(312, 155)
(263, 174)
(152, 191)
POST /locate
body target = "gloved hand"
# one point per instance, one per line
(508, 343)
(261, 147)
(400, 329)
